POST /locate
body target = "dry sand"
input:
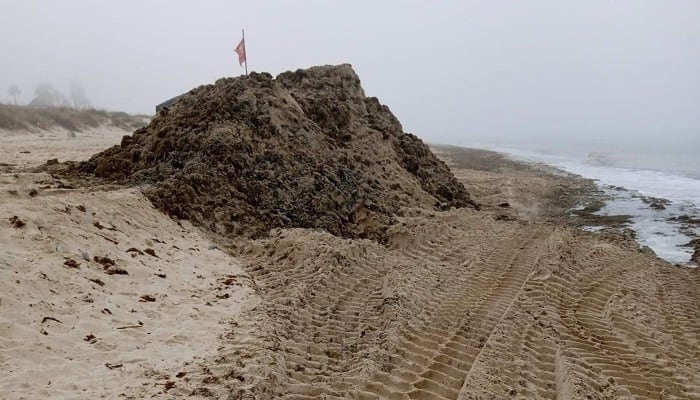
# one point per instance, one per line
(21, 149)
(71, 327)
(498, 303)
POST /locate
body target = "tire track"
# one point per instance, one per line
(450, 311)
(525, 337)
(603, 351)
(435, 365)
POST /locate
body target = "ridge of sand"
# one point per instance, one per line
(32, 119)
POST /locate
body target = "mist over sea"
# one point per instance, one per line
(629, 174)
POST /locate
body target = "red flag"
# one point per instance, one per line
(240, 49)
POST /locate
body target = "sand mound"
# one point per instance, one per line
(22, 120)
(306, 149)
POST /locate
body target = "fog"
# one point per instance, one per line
(462, 72)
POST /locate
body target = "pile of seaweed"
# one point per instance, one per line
(305, 149)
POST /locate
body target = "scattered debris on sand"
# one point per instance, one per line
(16, 222)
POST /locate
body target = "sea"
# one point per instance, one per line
(629, 177)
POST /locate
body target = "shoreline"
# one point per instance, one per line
(558, 192)
(592, 207)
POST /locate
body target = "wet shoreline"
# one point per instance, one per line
(668, 228)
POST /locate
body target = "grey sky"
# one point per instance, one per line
(450, 70)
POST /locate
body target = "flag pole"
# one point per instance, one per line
(246, 55)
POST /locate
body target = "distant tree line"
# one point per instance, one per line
(46, 95)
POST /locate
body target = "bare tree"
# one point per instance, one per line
(45, 95)
(77, 94)
(14, 91)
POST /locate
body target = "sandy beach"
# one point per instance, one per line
(348, 200)
(104, 296)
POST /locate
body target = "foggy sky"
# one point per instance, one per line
(452, 71)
